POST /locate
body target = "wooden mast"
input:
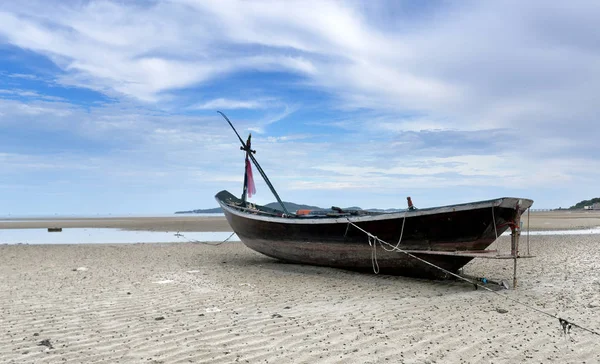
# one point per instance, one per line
(255, 162)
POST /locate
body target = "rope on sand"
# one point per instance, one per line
(213, 243)
(179, 235)
(566, 325)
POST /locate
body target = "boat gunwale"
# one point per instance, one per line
(505, 202)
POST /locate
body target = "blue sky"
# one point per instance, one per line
(110, 106)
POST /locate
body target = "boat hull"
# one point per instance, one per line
(333, 242)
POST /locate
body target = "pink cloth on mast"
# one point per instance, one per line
(251, 189)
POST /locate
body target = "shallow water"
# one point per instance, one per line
(117, 236)
(106, 236)
(15, 218)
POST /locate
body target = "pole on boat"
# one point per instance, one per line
(513, 244)
(255, 162)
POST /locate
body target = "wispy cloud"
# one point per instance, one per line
(226, 104)
(23, 76)
(23, 93)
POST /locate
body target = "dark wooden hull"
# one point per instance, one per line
(332, 242)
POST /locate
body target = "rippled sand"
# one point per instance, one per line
(182, 303)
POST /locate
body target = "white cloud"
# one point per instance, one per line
(23, 76)
(225, 104)
(475, 67)
(133, 51)
(22, 93)
(285, 138)
(198, 157)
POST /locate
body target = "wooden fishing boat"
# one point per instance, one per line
(448, 237)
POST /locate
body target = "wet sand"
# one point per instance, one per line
(174, 223)
(182, 303)
(547, 220)
(562, 220)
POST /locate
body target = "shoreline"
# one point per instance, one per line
(540, 221)
(175, 223)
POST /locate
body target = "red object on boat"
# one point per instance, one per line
(251, 187)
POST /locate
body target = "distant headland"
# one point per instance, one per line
(290, 206)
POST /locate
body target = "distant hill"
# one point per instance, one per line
(583, 203)
(215, 210)
(292, 207)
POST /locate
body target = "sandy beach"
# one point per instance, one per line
(455, 137)
(195, 303)
(562, 220)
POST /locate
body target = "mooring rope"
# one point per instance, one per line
(212, 243)
(372, 243)
(204, 242)
(399, 239)
(566, 325)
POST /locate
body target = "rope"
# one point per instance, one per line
(204, 242)
(399, 239)
(401, 231)
(372, 243)
(212, 243)
(565, 324)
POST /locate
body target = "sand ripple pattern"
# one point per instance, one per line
(188, 303)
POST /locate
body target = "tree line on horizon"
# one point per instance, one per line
(582, 204)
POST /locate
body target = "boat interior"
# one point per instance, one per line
(232, 201)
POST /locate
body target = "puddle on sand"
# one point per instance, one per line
(106, 236)
(117, 236)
